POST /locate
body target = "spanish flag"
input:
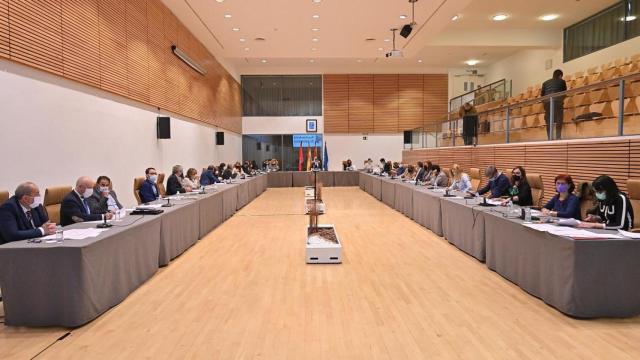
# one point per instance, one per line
(300, 158)
(308, 158)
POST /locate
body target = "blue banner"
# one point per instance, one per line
(305, 140)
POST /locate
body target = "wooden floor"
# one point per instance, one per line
(244, 292)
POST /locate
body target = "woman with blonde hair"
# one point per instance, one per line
(460, 181)
(191, 179)
(410, 173)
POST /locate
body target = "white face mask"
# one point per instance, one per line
(37, 201)
(104, 189)
(153, 178)
(87, 193)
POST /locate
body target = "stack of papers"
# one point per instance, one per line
(78, 234)
(153, 206)
(629, 234)
(571, 232)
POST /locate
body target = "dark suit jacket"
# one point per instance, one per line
(146, 191)
(421, 174)
(498, 187)
(14, 225)
(208, 178)
(174, 185)
(73, 207)
(98, 203)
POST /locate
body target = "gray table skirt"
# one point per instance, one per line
(243, 194)
(346, 178)
(463, 226)
(180, 229)
(280, 179)
(326, 178)
(254, 184)
(302, 178)
(388, 192)
(211, 212)
(376, 187)
(403, 201)
(427, 210)
(73, 283)
(581, 278)
(229, 200)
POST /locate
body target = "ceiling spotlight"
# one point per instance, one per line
(548, 17)
(359, 60)
(387, 40)
(316, 1)
(403, 17)
(629, 18)
(236, 29)
(315, 29)
(456, 17)
(311, 61)
(220, 1)
(227, 16)
(419, 60)
(243, 39)
(316, 16)
(264, 61)
(472, 62)
(380, 49)
(246, 49)
(315, 39)
(500, 17)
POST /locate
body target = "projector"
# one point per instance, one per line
(394, 54)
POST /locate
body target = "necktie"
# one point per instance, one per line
(86, 206)
(29, 217)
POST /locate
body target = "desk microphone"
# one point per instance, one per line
(105, 224)
(168, 204)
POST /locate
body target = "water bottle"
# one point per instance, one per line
(59, 234)
(509, 208)
(527, 214)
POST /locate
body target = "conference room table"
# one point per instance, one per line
(306, 178)
(71, 283)
(580, 278)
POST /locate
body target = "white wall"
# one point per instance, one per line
(278, 125)
(342, 147)
(55, 130)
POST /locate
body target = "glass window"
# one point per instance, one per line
(284, 148)
(296, 95)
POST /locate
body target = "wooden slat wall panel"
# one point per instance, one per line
(36, 34)
(124, 47)
(4, 29)
(462, 157)
(81, 41)
(336, 103)
(548, 160)
(385, 103)
(435, 97)
(483, 157)
(607, 157)
(634, 159)
(360, 103)
(411, 102)
(508, 157)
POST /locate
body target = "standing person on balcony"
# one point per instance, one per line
(554, 85)
(469, 117)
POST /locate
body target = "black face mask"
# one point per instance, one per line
(516, 177)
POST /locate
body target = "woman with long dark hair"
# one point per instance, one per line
(613, 210)
(520, 191)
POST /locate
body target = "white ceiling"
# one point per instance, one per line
(345, 24)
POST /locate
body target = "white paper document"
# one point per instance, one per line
(152, 206)
(571, 232)
(629, 234)
(78, 234)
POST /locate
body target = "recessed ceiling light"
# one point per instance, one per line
(316, 1)
(359, 60)
(263, 61)
(472, 62)
(220, 1)
(387, 40)
(315, 39)
(243, 39)
(500, 17)
(629, 18)
(403, 17)
(246, 49)
(311, 60)
(380, 49)
(549, 17)
(236, 29)
(419, 60)
(456, 17)
(227, 16)
(316, 16)
(315, 29)
(313, 49)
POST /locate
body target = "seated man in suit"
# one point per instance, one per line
(75, 206)
(23, 217)
(498, 183)
(104, 199)
(149, 190)
(174, 183)
(209, 177)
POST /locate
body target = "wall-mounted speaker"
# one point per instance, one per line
(163, 127)
(407, 137)
(219, 138)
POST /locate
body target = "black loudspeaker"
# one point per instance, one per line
(407, 137)
(259, 146)
(406, 31)
(219, 138)
(163, 127)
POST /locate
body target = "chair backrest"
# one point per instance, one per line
(52, 198)
(537, 188)
(4, 196)
(633, 186)
(474, 174)
(448, 172)
(161, 187)
(585, 192)
(137, 184)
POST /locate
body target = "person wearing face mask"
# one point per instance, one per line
(520, 191)
(75, 206)
(498, 183)
(191, 180)
(399, 168)
(613, 210)
(174, 182)
(438, 177)
(23, 217)
(461, 181)
(149, 190)
(209, 177)
(564, 204)
(104, 199)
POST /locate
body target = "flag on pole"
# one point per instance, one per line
(315, 151)
(300, 158)
(325, 159)
(308, 157)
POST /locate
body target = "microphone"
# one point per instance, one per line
(105, 224)
(168, 204)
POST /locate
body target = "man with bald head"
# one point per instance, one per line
(75, 206)
(23, 217)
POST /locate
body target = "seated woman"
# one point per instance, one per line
(273, 165)
(350, 166)
(409, 174)
(104, 199)
(438, 177)
(237, 172)
(564, 204)
(191, 180)
(613, 210)
(520, 191)
(461, 181)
